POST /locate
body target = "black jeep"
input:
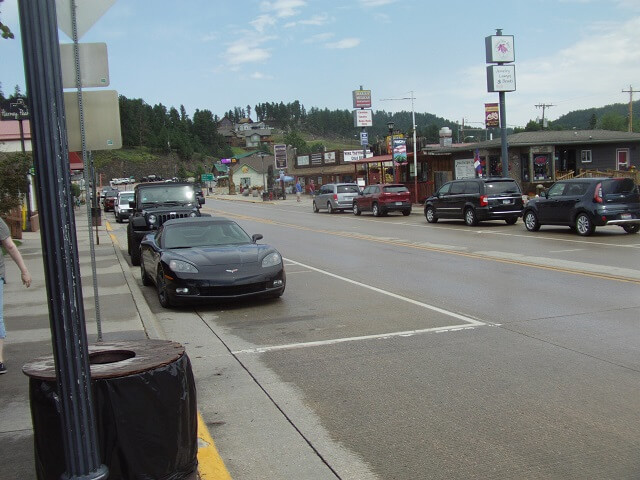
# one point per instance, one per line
(155, 203)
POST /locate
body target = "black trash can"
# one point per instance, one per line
(144, 401)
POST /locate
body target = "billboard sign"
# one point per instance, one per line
(501, 78)
(280, 153)
(362, 118)
(491, 115)
(362, 99)
(303, 160)
(399, 150)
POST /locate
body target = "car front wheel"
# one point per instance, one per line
(163, 295)
(146, 281)
(356, 210)
(531, 221)
(315, 207)
(430, 214)
(470, 217)
(631, 228)
(584, 225)
(376, 210)
(329, 207)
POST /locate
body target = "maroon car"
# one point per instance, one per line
(109, 201)
(383, 198)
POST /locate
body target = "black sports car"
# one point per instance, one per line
(209, 258)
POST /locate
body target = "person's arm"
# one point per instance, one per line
(14, 253)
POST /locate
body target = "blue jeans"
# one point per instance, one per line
(3, 332)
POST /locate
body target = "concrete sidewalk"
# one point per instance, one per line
(123, 317)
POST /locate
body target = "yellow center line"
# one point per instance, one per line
(406, 244)
(210, 465)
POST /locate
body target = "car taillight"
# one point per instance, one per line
(335, 196)
(484, 200)
(597, 195)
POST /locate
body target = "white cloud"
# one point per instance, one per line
(283, 8)
(320, 37)
(246, 52)
(344, 43)
(375, 3)
(316, 20)
(260, 76)
(262, 22)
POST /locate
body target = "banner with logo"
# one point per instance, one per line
(280, 153)
(491, 115)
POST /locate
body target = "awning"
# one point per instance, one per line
(75, 161)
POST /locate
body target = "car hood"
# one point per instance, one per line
(224, 255)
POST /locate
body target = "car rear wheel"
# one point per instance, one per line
(531, 221)
(511, 221)
(406, 213)
(470, 217)
(376, 210)
(430, 215)
(315, 207)
(163, 295)
(631, 228)
(356, 210)
(584, 225)
(146, 280)
(329, 207)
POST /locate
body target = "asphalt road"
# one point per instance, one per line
(403, 350)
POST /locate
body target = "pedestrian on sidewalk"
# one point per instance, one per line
(298, 190)
(14, 253)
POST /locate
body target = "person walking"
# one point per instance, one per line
(14, 253)
(298, 190)
(312, 188)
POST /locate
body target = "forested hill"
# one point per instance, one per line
(609, 117)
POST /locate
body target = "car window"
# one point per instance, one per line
(575, 189)
(366, 190)
(618, 186)
(497, 188)
(557, 189)
(396, 189)
(472, 188)
(348, 189)
(457, 188)
(444, 190)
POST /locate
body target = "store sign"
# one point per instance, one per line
(362, 99)
(329, 157)
(362, 118)
(399, 150)
(316, 159)
(501, 78)
(465, 169)
(303, 161)
(353, 155)
(491, 115)
(499, 49)
(280, 153)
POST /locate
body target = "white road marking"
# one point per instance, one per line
(448, 313)
(335, 341)
(568, 250)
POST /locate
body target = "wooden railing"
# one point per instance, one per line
(585, 173)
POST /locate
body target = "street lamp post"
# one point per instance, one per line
(264, 186)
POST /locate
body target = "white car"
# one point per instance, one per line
(121, 208)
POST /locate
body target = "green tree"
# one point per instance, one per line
(4, 30)
(294, 139)
(533, 126)
(593, 121)
(13, 179)
(613, 121)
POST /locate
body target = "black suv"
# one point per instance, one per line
(584, 203)
(155, 203)
(476, 199)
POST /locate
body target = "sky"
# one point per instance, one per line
(219, 54)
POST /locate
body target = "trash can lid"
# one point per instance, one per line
(114, 359)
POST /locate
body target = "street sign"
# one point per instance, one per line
(364, 138)
(94, 66)
(101, 118)
(206, 177)
(87, 13)
(362, 118)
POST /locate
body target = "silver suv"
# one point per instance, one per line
(335, 196)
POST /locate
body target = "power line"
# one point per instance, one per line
(631, 91)
(544, 106)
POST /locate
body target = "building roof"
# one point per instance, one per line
(551, 137)
(254, 161)
(10, 130)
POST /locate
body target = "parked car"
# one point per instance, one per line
(383, 198)
(105, 190)
(208, 258)
(584, 203)
(109, 200)
(476, 199)
(121, 207)
(155, 203)
(335, 197)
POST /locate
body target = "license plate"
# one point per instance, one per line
(507, 202)
(626, 216)
(398, 203)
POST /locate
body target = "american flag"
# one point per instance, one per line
(477, 163)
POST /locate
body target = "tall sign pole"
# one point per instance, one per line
(362, 116)
(501, 78)
(59, 243)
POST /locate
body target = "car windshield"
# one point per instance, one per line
(204, 235)
(396, 189)
(348, 189)
(125, 199)
(168, 194)
(497, 188)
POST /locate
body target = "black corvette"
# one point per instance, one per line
(207, 258)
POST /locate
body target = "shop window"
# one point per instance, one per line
(585, 156)
(541, 167)
(524, 163)
(495, 166)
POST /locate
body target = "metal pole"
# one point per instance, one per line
(415, 151)
(59, 243)
(503, 135)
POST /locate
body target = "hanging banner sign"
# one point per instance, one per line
(280, 153)
(491, 115)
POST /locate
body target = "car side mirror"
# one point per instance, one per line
(256, 237)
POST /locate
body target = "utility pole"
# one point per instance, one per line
(544, 106)
(631, 91)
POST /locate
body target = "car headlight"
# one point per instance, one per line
(272, 260)
(182, 267)
(193, 214)
(152, 219)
